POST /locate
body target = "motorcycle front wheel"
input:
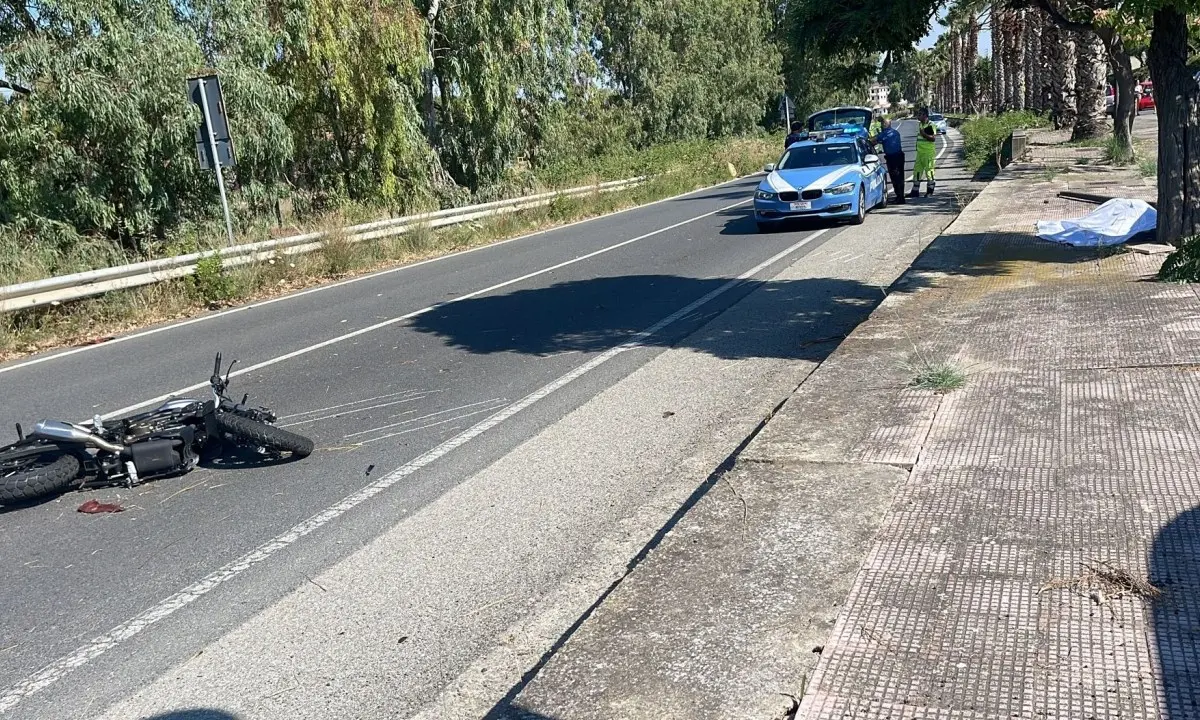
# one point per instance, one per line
(263, 435)
(26, 476)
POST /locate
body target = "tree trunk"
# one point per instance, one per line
(1089, 82)
(1064, 102)
(429, 107)
(972, 60)
(1125, 108)
(997, 61)
(1035, 91)
(1020, 81)
(1178, 107)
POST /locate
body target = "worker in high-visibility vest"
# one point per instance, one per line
(926, 155)
(876, 126)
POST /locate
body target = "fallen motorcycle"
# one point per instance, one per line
(156, 444)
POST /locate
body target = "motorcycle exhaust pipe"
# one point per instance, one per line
(66, 432)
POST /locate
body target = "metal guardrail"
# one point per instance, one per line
(65, 288)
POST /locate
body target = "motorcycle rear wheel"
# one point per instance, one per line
(25, 477)
(263, 435)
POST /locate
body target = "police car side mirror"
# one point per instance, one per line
(870, 160)
(769, 167)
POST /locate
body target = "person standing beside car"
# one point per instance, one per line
(893, 153)
(795, 136)
(926, 155)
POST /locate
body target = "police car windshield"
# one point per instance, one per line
(819, 155)
(936, 118)
(839, 116)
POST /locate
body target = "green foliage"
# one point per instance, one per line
(984, 137)
(210, 283)
(686, 68)
(895, 94)
(942, 377)
(1183, 265)
(359, 107)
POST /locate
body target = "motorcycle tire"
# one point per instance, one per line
(29, 477)
(267, 436)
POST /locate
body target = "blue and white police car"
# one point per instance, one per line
(832, 173)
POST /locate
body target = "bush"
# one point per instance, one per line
(1183, 265)
(209, 281)
(983, 137)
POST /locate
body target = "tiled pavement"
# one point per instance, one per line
(1004, 580)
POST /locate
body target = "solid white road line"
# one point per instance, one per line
(60, 668)
(408, 316)
(323, 288)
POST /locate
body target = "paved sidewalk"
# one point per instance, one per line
(1052, 499)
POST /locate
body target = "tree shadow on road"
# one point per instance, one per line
(195, 714)
(792, 319)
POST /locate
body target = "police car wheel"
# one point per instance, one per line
(862, 208)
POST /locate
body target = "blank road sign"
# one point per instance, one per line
(220, 121)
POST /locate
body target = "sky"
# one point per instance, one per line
(985, 39)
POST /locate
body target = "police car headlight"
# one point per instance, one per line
(843, 189)
(764, 195)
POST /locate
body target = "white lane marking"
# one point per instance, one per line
(353, 411)
(415, 313)
(945, 146)
(377, 398)
(447, 421)
(371, 276)
(63, 666)
(493, 402)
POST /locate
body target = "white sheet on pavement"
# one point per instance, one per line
(1113, 223)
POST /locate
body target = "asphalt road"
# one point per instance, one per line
(392, 375)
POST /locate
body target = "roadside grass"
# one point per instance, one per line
(1148, 166)
(214, 286)
(938, 376)
(1117, 155)
(984, 137)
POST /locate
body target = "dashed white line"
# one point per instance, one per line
(60, 668)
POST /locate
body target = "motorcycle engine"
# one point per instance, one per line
(160, 457)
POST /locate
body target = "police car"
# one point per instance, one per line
(832, 173)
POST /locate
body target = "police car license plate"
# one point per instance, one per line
(801, 206)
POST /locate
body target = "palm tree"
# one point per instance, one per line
(999, 55)
(1061, 61)
(1020, 81)
(1090, 74)
(1034, 90)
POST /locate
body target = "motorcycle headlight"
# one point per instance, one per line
(764, 195)
(843, 189)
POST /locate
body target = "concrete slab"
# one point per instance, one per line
(722, 619)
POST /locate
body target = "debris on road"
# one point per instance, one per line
(95, 507)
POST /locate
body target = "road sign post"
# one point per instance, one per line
(214, 143)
